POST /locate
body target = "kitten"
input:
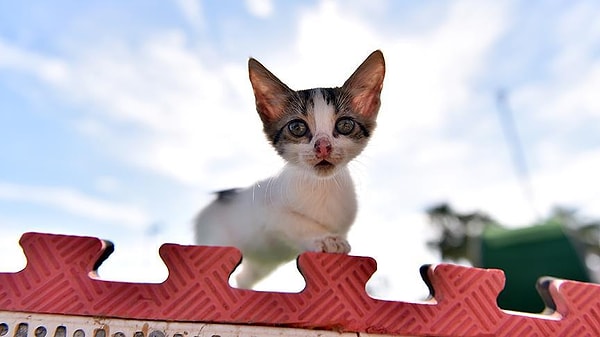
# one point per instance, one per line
(311, 204)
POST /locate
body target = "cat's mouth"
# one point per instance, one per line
(324, 164)
(324, 167)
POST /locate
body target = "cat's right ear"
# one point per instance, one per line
(365, 85)
(270, 93)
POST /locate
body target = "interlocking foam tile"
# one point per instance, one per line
(58, 279)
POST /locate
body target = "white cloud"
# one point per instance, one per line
(573, 182)
(434, 72)
(107, 184)
(135, 259)
(192, 11)
(570, 102)
(191, 116)
(9, 246)
(187, 116)
(169, 91)
(567, 97)
(76, 203)
(563, 113)
(576, 33)
(47, 69)
(260, 8)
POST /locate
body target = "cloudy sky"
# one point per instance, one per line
(117, 119)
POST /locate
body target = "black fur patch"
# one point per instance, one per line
(364, 130)
(330, 95)
(304, 101)
(227, 195)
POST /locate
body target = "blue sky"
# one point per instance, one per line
(117, 119)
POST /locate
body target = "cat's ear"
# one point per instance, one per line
(364, 86)
(269, 92)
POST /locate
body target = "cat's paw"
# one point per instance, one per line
(331, 244)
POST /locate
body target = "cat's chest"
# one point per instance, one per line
(331, 206)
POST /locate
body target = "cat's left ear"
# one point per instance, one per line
(365, 84)
(269, 92)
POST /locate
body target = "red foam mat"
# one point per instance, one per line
(58, 279)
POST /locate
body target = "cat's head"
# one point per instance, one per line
(319, 130)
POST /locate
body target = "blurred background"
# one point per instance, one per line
(118, 119)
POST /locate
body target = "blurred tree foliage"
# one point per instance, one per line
(458, 234)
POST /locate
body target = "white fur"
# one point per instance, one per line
(276, 219)
(323, 115)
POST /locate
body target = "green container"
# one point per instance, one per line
(525, 255)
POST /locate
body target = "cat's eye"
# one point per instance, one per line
(344, 126)
(298, 128)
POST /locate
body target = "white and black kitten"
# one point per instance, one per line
(311, 204)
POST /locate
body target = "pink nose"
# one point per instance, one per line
(322, 148)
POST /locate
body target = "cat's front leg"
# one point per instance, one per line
(304, 234)
(253, 271)
(301, 233)
(329, 244)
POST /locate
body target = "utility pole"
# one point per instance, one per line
(515, 147)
